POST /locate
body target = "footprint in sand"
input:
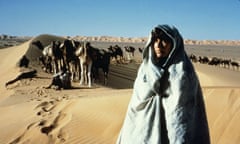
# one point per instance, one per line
(42, 123)
(48, 129)
(46, 108)
(55, 130)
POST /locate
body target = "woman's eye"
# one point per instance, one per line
(164, 43)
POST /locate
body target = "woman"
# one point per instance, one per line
(167, 103)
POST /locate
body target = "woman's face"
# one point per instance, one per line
(162, 47)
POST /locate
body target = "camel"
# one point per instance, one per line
(84, 54)
(44, 60)
(115, 52)
(130, 49)
(54, 53)
(70, 60)
(38, 44)
(235, 65)
(193, 58)
(225, 63)
(130, 52)
(101, 60)
(203, 59)
(215, 61)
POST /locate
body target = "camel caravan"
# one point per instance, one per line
(73, 60)
(215, 61)
(78, 61)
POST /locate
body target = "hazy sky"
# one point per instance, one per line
(195, 19)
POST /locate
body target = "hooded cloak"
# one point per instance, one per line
(167, 103)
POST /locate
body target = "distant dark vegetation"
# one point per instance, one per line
(8, 41)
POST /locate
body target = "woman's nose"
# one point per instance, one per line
(159, 44)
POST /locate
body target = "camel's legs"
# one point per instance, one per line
(83, 72)
(89, 74)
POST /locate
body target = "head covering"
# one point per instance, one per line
(167, 103)
(173, 34)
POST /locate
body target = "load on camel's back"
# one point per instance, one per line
(61, 80)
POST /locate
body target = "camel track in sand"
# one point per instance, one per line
(123, 71)
(122, 76)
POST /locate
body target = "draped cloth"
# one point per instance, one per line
(167, 105)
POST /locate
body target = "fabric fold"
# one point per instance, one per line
(167, 103)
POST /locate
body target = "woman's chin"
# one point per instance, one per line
(159, 55)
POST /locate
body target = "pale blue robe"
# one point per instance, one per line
(167, 103)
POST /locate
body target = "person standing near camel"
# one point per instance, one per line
(167, 105)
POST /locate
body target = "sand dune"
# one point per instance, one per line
(33, 114)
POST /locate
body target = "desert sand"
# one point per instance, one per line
(32, 114)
